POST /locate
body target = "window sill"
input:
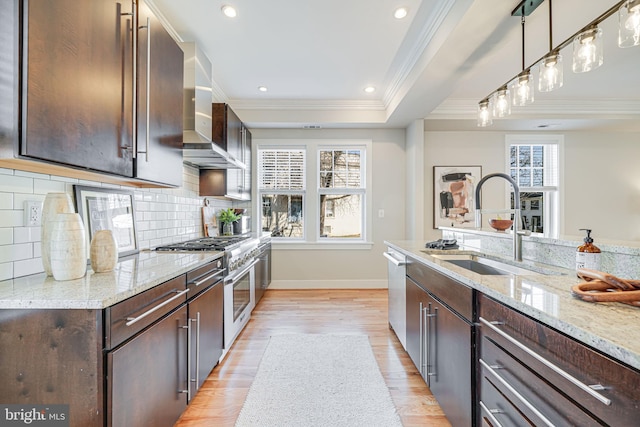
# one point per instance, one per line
(289, 245)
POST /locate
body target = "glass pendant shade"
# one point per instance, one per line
(501, 103)
(484, 114)
(522, 89)
(629, 24)
(550, 76)
(587, 50)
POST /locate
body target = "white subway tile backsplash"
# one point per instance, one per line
(6, 269)
(42, 186)
(16, 184)
(6, 236)
(162, 215)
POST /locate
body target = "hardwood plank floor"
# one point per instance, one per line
(313, 311)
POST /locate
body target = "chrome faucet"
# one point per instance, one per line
(517, 242)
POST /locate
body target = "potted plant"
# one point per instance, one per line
(227, 218)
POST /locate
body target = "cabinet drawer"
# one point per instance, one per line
(456, 295)
(132, 315)
(600, 385)
(534, 398)
(202, 278)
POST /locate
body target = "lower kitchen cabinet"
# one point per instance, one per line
(531, 374)
(263, 270)
(440, 340)
(146, 376)
(206, 339)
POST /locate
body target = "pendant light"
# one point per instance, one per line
(522, 85)
(587, 50)
(629, 24)
(550, 69)
(550, 76)
(501, 103)
(484, 113)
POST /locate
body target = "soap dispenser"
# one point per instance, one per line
(588, 255)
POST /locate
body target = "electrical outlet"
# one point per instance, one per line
(32, 213)
(380, 213)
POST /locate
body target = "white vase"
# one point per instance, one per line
(54, 203)
(104, 251)
(68, 248)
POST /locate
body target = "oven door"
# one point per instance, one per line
(239, 299)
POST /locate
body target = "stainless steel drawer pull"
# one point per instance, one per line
(132, 320)
(518, 396)
(397, 262)
(200, 282)
(490, 413)
(586, 388)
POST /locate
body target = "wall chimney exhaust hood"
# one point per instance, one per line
(198, 149)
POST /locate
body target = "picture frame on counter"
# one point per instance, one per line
(108, 209)
(454, 194)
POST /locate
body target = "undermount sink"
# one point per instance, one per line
(489, 267)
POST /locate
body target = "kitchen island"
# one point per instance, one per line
(539, 355)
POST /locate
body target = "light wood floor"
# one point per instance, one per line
(313, 311)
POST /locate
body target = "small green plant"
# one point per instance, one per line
(228, 215)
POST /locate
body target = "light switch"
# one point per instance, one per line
(380, 213)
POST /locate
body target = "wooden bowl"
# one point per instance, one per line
(500, 224)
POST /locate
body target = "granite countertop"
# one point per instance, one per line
(131, 276)
(607, 327)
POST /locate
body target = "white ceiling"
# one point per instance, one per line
(316, 57)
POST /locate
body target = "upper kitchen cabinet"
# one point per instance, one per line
(160, 96)
(226, 130)
(97, 95)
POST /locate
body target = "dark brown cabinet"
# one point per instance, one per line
(440, 339)
(234, 137)
(99, 92)
(263, 270)
(160, 74)
(531, 373)
(9, 25)
(147, 375)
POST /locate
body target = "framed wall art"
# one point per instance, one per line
(454, 194)
(108, 209)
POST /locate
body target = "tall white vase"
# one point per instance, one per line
(54, 203)
(104, 251)
(68, 248)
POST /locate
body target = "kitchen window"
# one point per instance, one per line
(316, 192)
(534, 163)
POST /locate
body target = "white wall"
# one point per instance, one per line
(601, 188)
(162, 215)
(342, 268)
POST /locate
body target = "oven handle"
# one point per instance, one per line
(236, 277)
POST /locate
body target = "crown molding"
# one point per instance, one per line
(306, 104)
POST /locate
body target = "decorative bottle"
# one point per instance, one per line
(68, 248)
(54, 203)
(104, 251)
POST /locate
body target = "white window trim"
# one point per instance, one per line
(541, 139)
(311, 195)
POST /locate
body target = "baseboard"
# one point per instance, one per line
(328, 284)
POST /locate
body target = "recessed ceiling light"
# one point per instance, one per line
(229, 11)
(400, 12)
(262, 88)
(370, 89)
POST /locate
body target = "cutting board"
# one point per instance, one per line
(209, 221)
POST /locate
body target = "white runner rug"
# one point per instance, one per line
(309, 380)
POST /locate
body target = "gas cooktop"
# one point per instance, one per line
(219, 243)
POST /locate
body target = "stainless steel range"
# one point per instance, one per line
(240, 257)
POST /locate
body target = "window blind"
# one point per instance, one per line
(281, 169)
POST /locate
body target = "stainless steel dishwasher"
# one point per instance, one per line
(397, 294)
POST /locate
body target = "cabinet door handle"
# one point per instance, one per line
(421, 340)
(132, 320)
(589, 389)
(197, 350)
(397, 262)
(188, 390)
(148, 87)
(428, 318)
(200, 282)
(517, 395)
(490, 413)
(131, 149)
